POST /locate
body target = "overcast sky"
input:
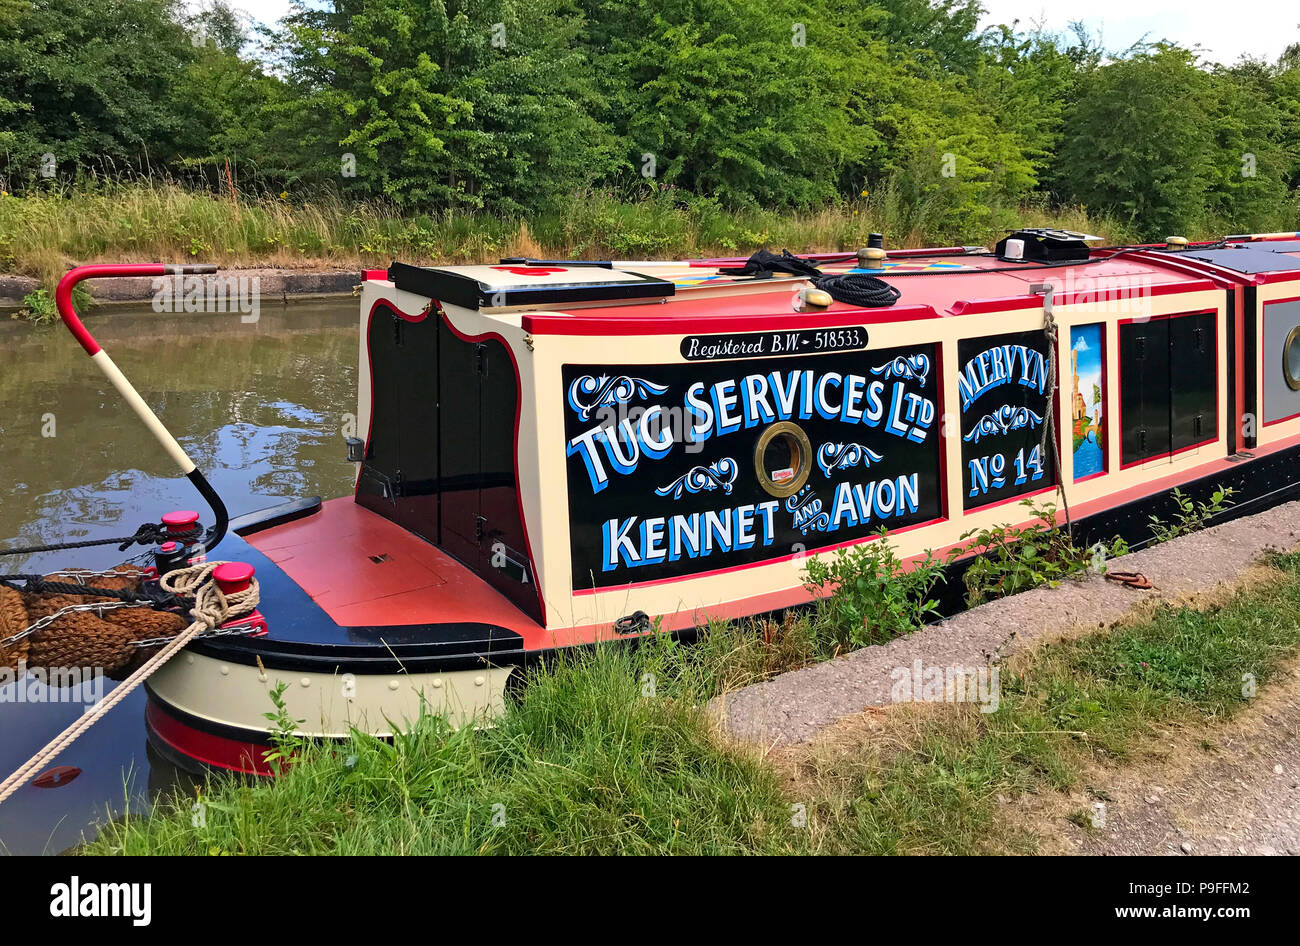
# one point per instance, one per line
(1224, 31)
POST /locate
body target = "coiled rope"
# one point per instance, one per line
(858, 289)
(211, 608)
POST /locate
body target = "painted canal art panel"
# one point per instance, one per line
(1003, 391)
(1087, 400)
(684, 468)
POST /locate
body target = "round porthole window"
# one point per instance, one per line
(1291, 359)
(783, 459)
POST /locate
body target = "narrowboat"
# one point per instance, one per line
(552, 454)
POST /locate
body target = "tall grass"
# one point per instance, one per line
(610, 752)
(43, 234)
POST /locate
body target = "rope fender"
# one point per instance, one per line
(211, 608)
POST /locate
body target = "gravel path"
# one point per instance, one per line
(1232, 790)
(795, 706)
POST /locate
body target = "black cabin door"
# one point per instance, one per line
(1144, 389)
(482, 524)
(1193, 381)
(1168, 385)
(460, 398)
(417, 428)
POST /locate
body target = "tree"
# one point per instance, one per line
(460, 104)
(87, 81)
(1138, 141)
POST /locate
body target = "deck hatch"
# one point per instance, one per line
(510, 285)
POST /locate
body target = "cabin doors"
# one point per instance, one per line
(1168, 386)
(478, 395)
(440, 460)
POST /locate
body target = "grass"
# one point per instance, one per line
(44, 234)
(585, 763)
(929, 781)
(611, 752)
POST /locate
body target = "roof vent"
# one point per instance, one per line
(1044, 245)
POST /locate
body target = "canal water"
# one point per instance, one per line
(260, 407)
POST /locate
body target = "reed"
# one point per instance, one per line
(44, 234)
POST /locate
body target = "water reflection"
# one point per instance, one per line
(259, 407)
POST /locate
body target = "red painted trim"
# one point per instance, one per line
(1239, 363)
(519, 406)
(841, 256)
(609, 323)
(1016, 303)
(1091, 476)
(1221, 277)
(1270, 278)
(380, 275)
(1263, 316)
(217, 751)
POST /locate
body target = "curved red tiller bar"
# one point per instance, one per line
(63, 300)
(63, 293)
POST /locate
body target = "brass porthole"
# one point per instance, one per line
(783, 459)
(1291, 359)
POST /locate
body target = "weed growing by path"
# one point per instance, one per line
(866, 595)
(1191, 516)
(1009, 560)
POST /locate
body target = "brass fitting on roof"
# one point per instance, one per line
(811, 299)
(871, 257)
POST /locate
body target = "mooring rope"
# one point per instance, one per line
(211, 608)
(151, 533)
(1049, 422)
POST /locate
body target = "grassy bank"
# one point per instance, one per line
(44, 234)
(612, 752)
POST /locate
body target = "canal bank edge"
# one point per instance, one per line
(795, 707)
(272, 284)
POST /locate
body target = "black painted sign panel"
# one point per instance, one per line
(1003, 391)
(664, 479)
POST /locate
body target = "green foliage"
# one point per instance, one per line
(866, 595)
(38, 305)
(603, 753)
(86, 81)
(510, 107)
(1190, 515)
(1009, 560)
(587, 761)
(285, 739)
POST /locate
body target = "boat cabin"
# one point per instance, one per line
(594, 440)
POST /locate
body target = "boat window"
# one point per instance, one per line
(1291, 359)
(1088, 399)
(783, 459)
